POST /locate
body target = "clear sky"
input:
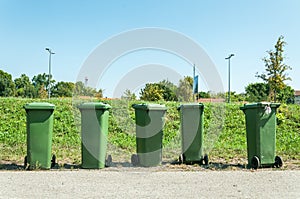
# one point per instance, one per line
(73, 29)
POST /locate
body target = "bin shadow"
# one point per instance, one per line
(11, 166)
(215, 165)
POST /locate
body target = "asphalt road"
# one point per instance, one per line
(149, 184)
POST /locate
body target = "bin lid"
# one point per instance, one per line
(191, 106)
(260, 105)
(39, 106)
(94, 105)
(149, 106)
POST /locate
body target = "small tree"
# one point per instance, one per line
(257, 92)
(275, 74)
(185, 89)
(7, 86)
(128, 95)
(152, 92)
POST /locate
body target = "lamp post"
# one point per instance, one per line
(231, 55)
(49, 75)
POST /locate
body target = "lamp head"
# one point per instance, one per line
(231, 55)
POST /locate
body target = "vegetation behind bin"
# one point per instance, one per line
(66, 131)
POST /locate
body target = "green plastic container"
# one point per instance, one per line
(149, 119)
(39, 135)
(94, 131)
(261, 134)
(191, 127)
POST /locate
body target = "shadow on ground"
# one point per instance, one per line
(126, 165)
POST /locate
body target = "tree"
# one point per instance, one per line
(257, 92)
(62, 89)
(79, 88)
(185, 89)
(286, 95)
(128, 95)
(24, 87)
(99, 93)
(152, 92)
(7, 86)
(202, 94)
(41, 80)
(82, 90)
(275, 74)
(169, 90)
(42, 93)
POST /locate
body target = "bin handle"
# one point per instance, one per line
(268, 109)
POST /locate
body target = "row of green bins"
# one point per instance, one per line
(94, 128)
(260, 127)
(261, 134)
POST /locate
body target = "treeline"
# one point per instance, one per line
(38, 87)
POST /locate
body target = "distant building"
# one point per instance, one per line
(297, 97)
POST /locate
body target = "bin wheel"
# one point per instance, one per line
(255, 163)
(278, 162)
(53, 161)
(181, 159)
(134, 159)
(108, 161)
(205, 159)
(25, 162)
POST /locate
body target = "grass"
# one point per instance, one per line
(225, 133)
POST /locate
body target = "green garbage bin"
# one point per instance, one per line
(94, 131)
(191, 127)
(149, 119)
(39, 135)
(261, 134)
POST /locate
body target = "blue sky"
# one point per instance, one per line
(73, 29)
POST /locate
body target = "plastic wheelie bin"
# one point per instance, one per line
(39, 135)
(94, 131)
(261, 134)
(191, 127)
(149, 119)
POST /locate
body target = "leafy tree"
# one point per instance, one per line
(82, 90)
(99, 93)
(7, 86)
(169, 90)
(275, 74)
(286, 95)
(185, 89)
(62, 89)
(24, 87)
(202, 94)
(41, 80)
(128, 95)
(152, 92)
(79, 88)
(257, 92)
(42, 93)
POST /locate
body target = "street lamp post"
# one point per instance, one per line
(231, 55)
(49, 75)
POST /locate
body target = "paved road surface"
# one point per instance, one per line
(153, 184)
